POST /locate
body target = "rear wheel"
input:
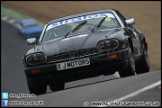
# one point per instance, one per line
(130, 70)
(37, 89)
(143, 66)
(57, 85)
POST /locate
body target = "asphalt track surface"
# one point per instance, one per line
(102, 88)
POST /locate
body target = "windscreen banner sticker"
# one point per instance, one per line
(82, 18)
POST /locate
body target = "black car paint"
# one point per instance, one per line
(99, 35)
(73, 43)
(98, 63)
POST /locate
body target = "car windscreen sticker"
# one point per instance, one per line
(107, 19)
(82, 18)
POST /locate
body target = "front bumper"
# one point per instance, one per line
(97, 62)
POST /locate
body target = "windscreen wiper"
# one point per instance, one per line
(76, 28)
(99, 24)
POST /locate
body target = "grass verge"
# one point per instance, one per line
(16, 15)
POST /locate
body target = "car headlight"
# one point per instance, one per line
(36, 58)
(108, 45)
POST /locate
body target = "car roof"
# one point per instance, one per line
(81, 14)
(28, 21)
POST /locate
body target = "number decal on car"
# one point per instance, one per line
(107, 18)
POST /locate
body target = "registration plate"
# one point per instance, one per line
(73, 64)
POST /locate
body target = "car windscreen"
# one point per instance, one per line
(60, 29)
(29, 25)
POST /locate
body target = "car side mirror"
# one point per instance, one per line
(130, 21)
(31, 41)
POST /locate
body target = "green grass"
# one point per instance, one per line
(16, 15)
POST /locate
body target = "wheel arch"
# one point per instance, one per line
(144, 42)
(131, 43)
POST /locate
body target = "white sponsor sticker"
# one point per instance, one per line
(81, 18)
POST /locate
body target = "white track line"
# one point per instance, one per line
(134, 93)
(138, 91)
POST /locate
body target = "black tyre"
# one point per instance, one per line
(143, 65)
(130, 70)
(18, 31)
(57, 85)
(37, 89)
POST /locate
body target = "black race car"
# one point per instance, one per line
(85, 45)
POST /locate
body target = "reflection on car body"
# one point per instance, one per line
(85, 45)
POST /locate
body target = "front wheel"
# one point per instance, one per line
(57, 85)
(37, 89)
(18, 31)
(130, 69)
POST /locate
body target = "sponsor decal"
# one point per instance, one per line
(107, 19)
(81, 18)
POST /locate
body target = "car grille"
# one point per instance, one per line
(73, 55)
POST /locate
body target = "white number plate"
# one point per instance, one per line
(73, 64)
